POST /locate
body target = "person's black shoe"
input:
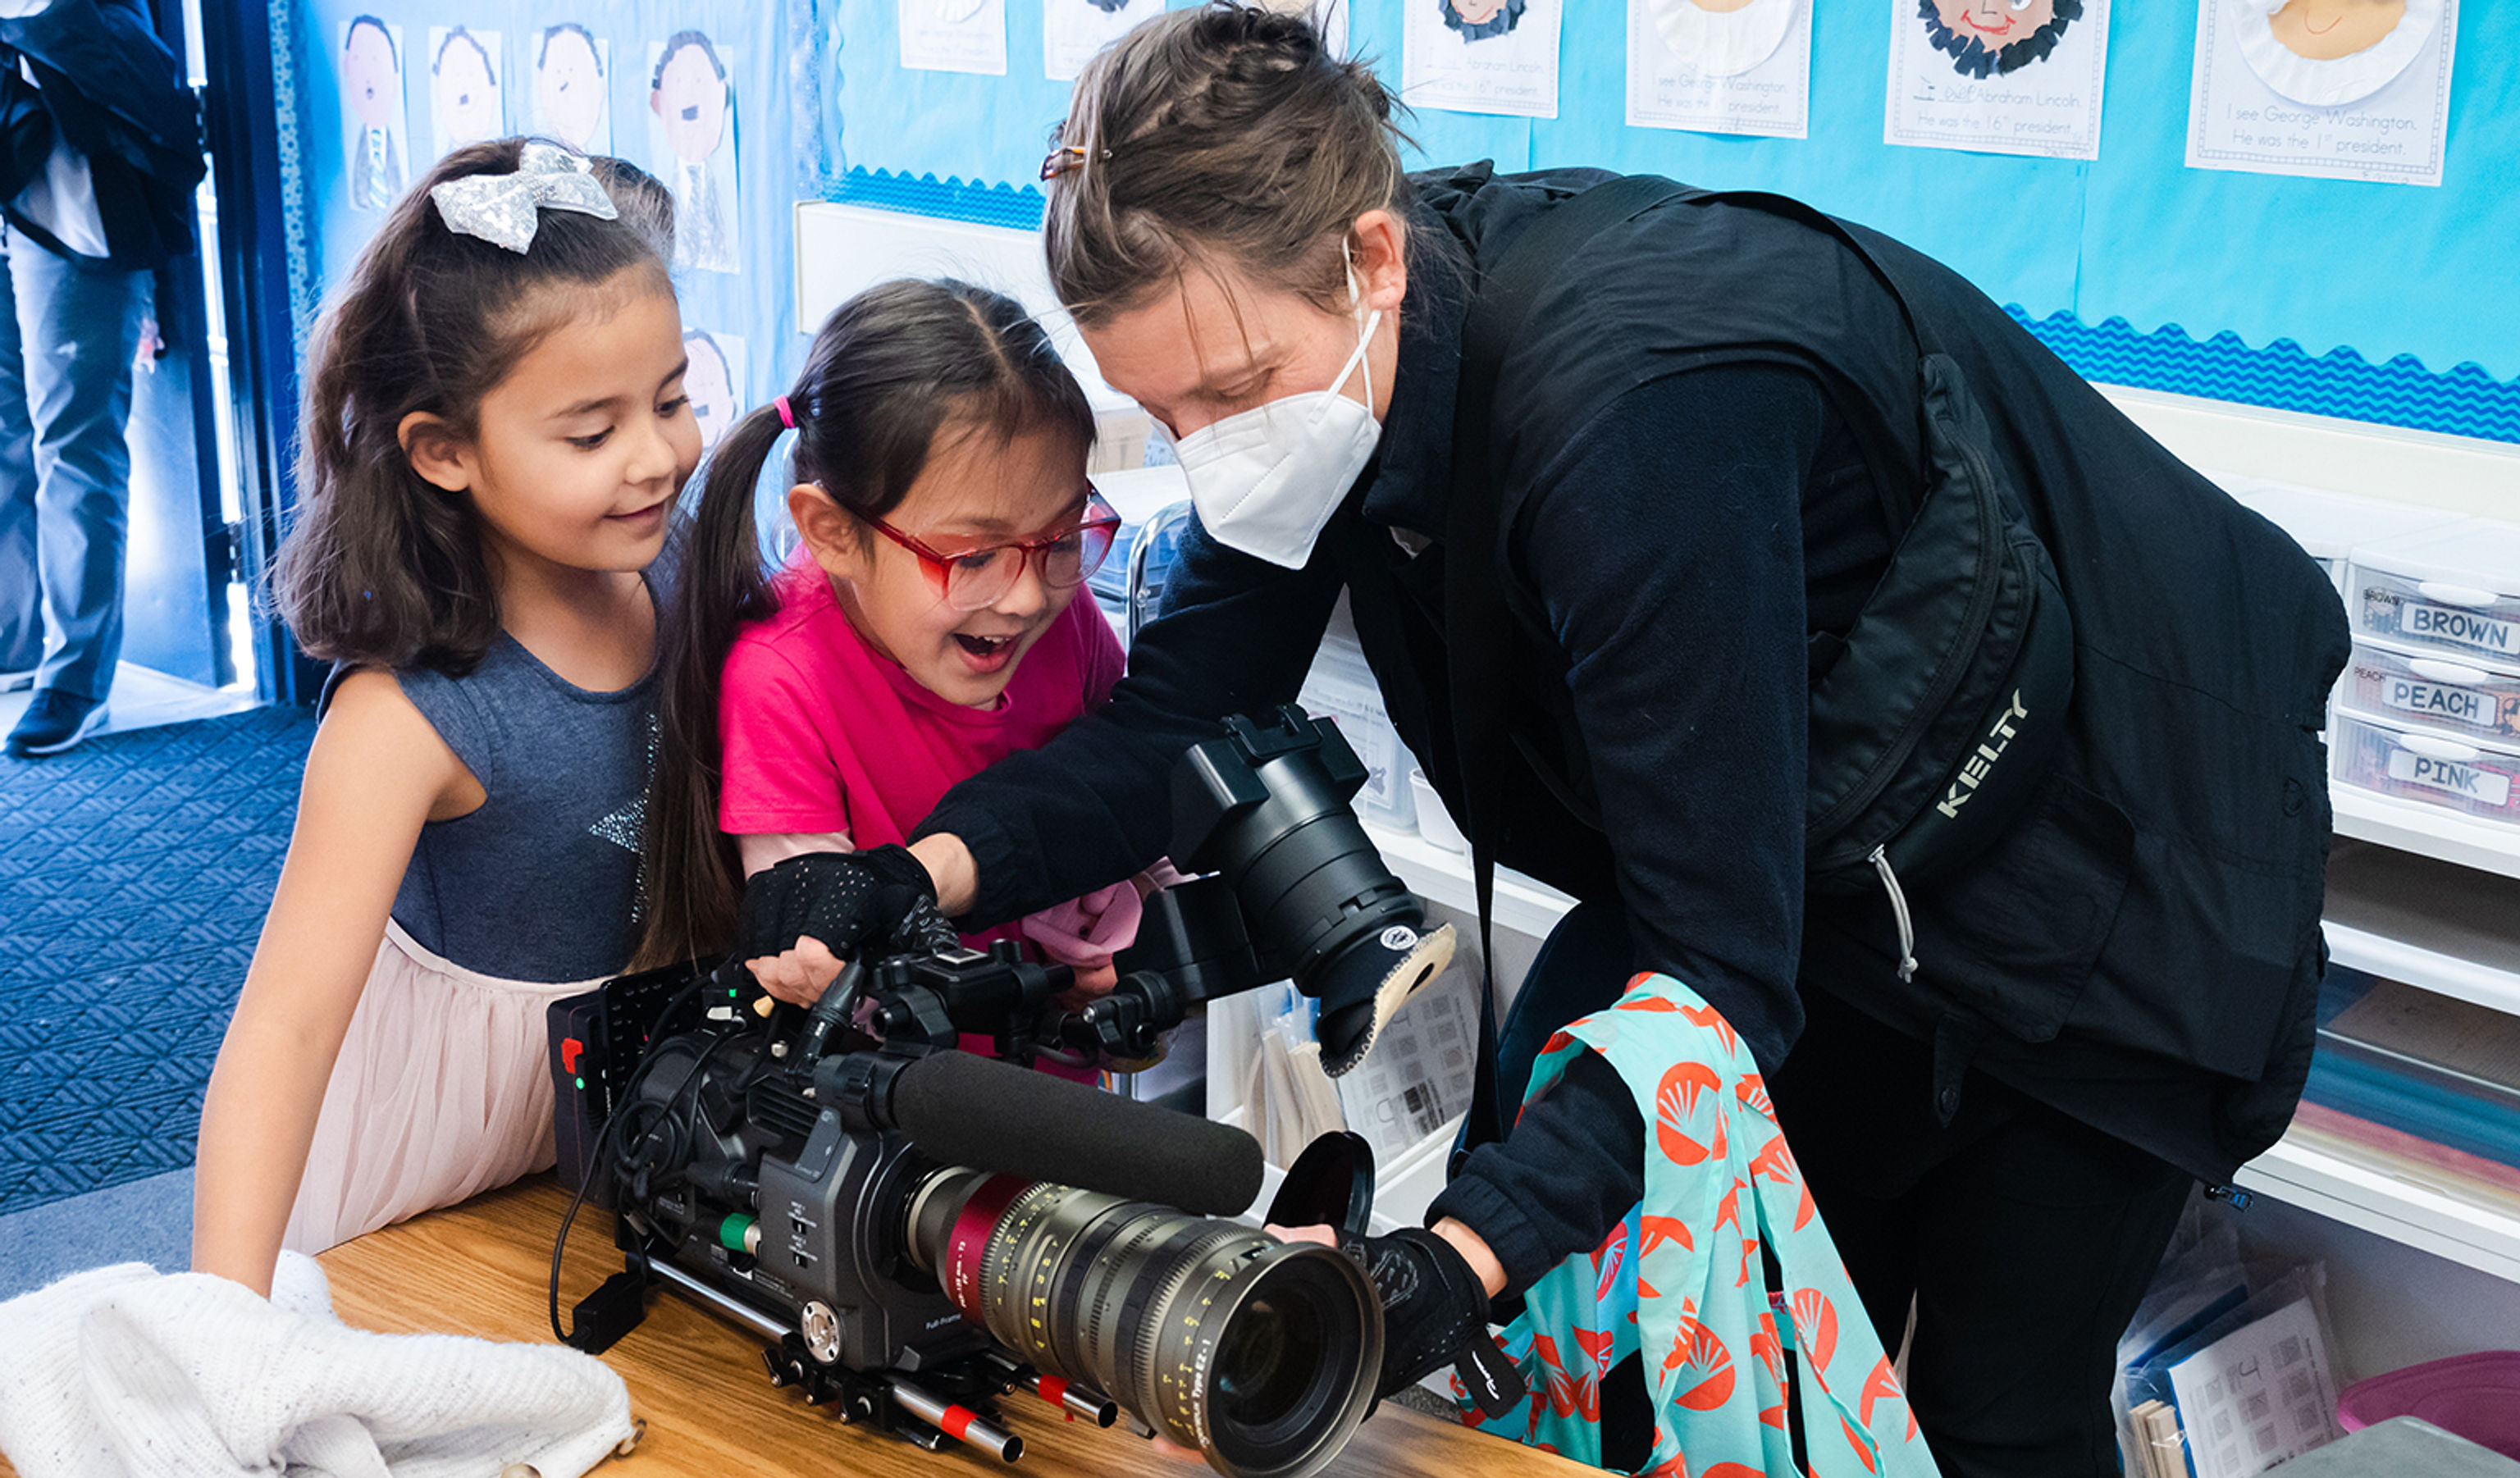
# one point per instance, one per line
(54, 722)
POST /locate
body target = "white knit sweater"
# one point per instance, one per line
(125, 1372)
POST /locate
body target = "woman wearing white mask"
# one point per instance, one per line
(1704, 441)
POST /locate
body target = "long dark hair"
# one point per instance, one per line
(380, 565)
(890, 370)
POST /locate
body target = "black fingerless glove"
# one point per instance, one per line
(1435, 1314)
(847, 900)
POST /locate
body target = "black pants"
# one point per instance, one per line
(2025, 1238)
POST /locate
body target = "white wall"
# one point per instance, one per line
(2368, 461)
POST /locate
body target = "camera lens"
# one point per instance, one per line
(1260, 1354)
(1260, 1372)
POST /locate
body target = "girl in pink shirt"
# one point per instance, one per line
(926, 626)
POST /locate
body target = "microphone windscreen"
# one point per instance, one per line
(977, 1112)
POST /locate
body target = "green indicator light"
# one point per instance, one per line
(581, 1083)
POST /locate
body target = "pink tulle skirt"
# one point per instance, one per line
(442, 1090)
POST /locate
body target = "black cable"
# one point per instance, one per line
(611, 1125)
(678, 1155)
(559, 1243)
(666, 1135)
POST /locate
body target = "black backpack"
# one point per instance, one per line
(1933, 719)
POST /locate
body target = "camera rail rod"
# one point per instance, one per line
(956, 1421)
(733, 1308)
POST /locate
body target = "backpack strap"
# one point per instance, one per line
(1825, 224)
(1939, 634)
(1477, 624)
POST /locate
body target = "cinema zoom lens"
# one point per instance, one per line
(1260, 1354)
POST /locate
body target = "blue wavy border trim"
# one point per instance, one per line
(2465, 401)
(976, 201)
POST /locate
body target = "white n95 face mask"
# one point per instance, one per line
(1266, 480)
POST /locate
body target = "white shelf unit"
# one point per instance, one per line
(2376, 1192)
(2427, 831)
(2440, 926)
(2444, 927)
(2415, 895)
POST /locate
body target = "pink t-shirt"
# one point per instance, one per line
(822, 732)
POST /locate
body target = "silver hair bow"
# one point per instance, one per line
(506, 208)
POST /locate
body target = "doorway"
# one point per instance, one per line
(190, 648)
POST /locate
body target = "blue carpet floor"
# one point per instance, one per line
(134, 873)
(146, 1221)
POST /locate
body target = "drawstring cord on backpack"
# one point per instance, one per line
(1880, 860)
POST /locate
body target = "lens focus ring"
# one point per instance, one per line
(1263, 1354)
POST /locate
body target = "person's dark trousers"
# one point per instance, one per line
(2025, 1238)
(67, 333)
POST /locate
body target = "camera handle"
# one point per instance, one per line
(830, 1012)
(927, 1000)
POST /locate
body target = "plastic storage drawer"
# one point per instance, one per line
(2329, 526)
(2453, 589)
(2433, 691)
(2427, 767)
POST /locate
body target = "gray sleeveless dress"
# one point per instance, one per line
(443, 1086)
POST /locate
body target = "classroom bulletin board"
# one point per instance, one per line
(719, 102)
(2382, 301)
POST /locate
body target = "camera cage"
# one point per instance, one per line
(706, 1105)
(658, 1122)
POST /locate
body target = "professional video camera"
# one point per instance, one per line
(918, 1231)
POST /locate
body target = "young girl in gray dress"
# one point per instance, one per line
(495, 434)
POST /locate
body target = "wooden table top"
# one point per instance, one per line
(482, 1267)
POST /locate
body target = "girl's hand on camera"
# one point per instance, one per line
(797, 976)
(845, 900)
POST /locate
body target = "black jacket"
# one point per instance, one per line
(108, 87)
(2141, 951)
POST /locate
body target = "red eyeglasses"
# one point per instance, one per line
(978, 577)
